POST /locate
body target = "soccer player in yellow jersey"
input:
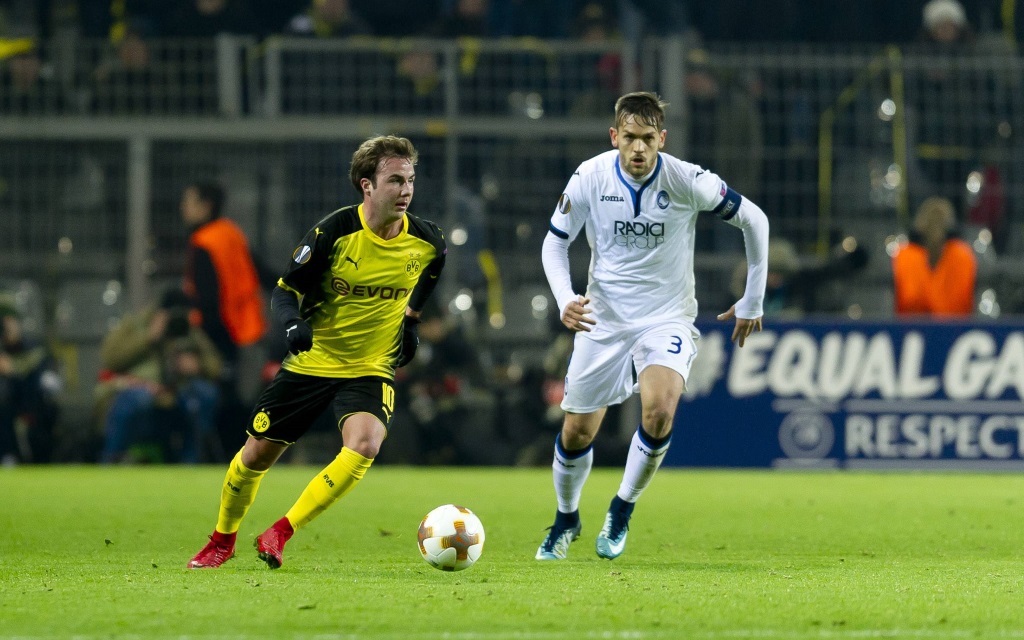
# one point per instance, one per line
(350, 302)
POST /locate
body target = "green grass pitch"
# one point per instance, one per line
(100, 552)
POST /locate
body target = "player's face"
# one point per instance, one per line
(393, 191)
(638, 146)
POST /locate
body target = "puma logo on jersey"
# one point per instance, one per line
(355, 262)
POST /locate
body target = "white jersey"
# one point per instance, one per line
(642, 235)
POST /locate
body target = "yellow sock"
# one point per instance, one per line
(237, 494)
(330, 485)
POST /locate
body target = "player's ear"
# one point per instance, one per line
(367, 186)
(664, 134)
(614, 134)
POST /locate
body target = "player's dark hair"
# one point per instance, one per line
(645, 107)
(371, 153)
(212, 194)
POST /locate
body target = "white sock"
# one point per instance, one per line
(570, 473)
(641, 464)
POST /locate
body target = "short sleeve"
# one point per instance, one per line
(308, 263)
(708, 190)
(572, 209)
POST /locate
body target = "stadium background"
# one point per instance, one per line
(837, 121)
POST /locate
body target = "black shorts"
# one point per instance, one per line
(292, 401)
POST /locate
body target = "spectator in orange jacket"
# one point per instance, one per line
(221, 277)
(935, 272)
(223, 281)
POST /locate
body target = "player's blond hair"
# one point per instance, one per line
(645, 107)
(372, 152)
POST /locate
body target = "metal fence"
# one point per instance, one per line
(94, 152)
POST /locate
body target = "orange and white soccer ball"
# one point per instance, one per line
(451, 538)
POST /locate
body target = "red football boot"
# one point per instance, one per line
(270, 543)
(217, 551)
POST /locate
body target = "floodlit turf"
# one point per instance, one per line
(101, 552)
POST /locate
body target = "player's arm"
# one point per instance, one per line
(427, 283)
(749, 310)
(420, 294)
(566, 222)
(712, 194)
(308, 263)
(555, 257)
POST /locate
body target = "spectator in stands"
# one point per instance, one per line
(531, 18)
(794, 289)
(934, 273)
(437, 385)
(468, 18)
(122, 78)
(208, 18)
(223, 281)
(157, 395)
(398, 19)
(328, 19)
(417, 84)
(727, 132)
(29, 388)
(21, 86)
(600, 82)
(642, 18)
(944, 25)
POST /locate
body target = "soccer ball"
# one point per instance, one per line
(451, 538)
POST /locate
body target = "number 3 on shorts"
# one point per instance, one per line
(677, 345)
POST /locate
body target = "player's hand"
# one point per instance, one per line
(744, 327)
(575, 317)
(299, 336)
(410, 341)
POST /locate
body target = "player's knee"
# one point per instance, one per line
(366, 447)
(576, 436)
(657, 420)
(260, 455)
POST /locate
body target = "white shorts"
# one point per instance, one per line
(604, 369)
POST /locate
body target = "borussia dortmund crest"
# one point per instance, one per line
(261, 422)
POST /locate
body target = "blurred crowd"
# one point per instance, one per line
(873, 21)
(169, 388)
(128, 25)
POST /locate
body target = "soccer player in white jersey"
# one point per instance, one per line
(634, 325)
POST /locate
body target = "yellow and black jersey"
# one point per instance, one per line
(353, 288)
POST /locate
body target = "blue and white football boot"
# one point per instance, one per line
(611, 542)
(567, 528)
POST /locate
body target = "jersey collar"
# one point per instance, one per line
(379, 240)
(637, 194)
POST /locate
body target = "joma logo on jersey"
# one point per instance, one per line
(343, 288)
(640, 235)
(612, 199)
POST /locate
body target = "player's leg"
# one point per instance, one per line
(241, 482)
(663, 358)
(282, 414)
(364, 407)
(600, 373)
(574, 456)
